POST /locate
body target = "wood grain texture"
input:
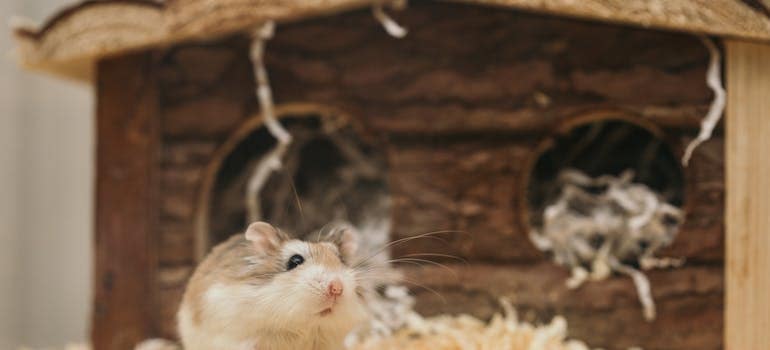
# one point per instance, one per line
(82, 34)
(748, 196)
(732, 18)
(605, 314)
(126, 203)
(460, 105)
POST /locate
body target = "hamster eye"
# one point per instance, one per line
(294, 261)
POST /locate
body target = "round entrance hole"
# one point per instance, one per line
(328, 174)
(609, 168)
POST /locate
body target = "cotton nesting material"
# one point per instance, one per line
(469, 333)
(609, 223)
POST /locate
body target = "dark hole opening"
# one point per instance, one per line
(603, 147)
(328, 174)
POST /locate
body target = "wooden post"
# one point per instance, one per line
(126, 200)
(747, 322)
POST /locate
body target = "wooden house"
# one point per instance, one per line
(454, 118)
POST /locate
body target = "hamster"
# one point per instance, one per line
(263, 290)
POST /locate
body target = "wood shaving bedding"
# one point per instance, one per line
(464, 332)
(447, 332)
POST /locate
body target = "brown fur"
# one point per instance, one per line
(237, 261)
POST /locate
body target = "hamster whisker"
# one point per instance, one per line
(428, 235)
(321, 231)
(448, 256)
(376, 276)
(424, 261)
(372, 268)
(415, 263)
(296, 197)
(419, 285)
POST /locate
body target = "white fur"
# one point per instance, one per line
(295, 247)
(281, 314)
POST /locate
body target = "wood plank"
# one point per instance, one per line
(126, 202)
(748, 196)
(729, 18)
(67, 43)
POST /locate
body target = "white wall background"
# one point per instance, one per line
(46, 171)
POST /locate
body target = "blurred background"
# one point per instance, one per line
(46, 167)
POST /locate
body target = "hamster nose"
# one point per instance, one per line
(335, 288)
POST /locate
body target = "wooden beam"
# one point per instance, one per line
(748, 196)
(126, 200)
(727, 18)
(68, 43)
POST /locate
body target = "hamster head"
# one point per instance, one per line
(306, 284)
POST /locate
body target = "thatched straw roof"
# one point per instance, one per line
(72, 40)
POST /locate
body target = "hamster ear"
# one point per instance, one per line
(264, 236)
(347, 242)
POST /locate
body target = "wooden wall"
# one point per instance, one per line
(127, 196)
(459, 107)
